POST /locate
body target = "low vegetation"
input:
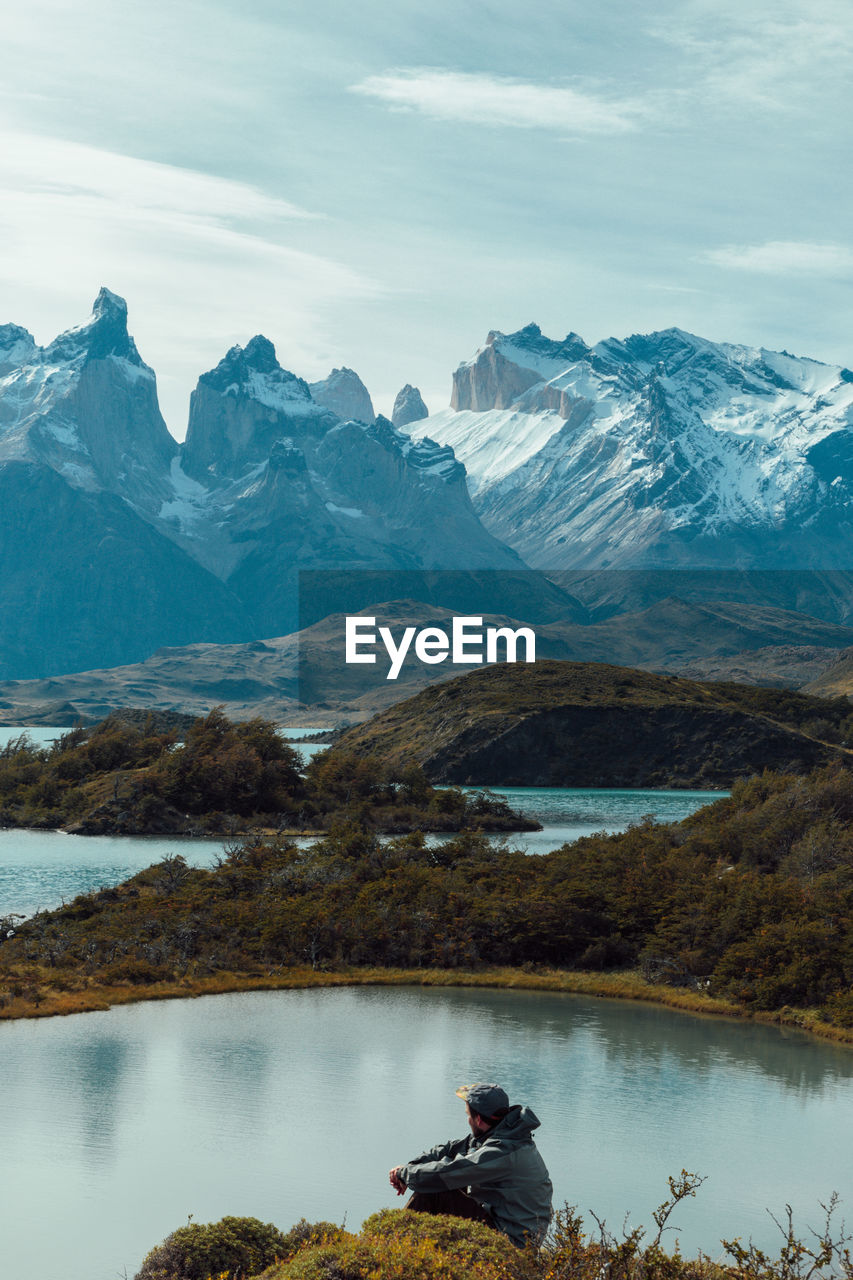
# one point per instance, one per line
(395, 1245)
(748, 903)
(130, 776)
(587, 724)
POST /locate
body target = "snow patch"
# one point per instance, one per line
(353, 512)
(286, 395)
(133, 372)
(547, 366)
(489, 444)
(80, 476)
(191, 502)
(65, 433)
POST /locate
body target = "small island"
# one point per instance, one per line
(143, 774)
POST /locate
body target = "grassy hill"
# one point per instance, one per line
(591, 724)
(837, 680)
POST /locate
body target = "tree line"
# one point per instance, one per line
(126, 777)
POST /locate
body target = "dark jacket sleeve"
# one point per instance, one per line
(443, 1151)
(443, 1170)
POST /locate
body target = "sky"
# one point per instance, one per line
(379, 185)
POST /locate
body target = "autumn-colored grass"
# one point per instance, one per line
(91, 995)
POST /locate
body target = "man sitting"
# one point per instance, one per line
(494, 1174)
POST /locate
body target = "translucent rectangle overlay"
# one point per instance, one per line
(370, 638)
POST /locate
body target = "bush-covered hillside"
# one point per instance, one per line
(131, 776)
(749, 900)
(589, 724)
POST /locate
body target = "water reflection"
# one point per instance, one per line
(96, 1075)
(280, 1104)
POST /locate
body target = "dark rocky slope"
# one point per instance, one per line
(571, 724)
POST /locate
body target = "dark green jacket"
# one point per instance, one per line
(501, 1169)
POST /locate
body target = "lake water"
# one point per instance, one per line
(41, 869)
(567, 813)
(41, 735)
(118, 1125)
(45, 736)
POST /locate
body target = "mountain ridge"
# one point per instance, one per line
(268, 482)
(658, 450)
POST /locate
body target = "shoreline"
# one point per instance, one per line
(619, 986)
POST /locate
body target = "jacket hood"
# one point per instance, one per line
(517, 1125)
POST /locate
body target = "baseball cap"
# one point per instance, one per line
(485, 1099)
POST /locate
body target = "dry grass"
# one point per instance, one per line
(40, 997)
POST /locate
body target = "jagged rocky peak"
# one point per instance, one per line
(531, 341)
(344, 393)
(17, 347)
(510, 365)
(103, 334)
(424, 455)
(408, 407)
(86, 407)
(241, 408)
(706, 371)
(255, 372)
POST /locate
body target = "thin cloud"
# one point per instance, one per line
(785, 257)
(769, 56)
(52, 167)
(482, 99)
(203, 261)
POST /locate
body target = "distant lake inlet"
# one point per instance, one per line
(41, 869)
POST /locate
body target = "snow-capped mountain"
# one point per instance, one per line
(85, 465)
(660, 450)
(272, 482)
(86, 405)
(241, 408)
(115, 540)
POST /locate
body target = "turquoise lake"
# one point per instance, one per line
(119, 1125)
(41, 869)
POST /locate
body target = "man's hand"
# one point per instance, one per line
(396, 1181)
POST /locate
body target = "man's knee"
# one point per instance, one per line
(457, 1203)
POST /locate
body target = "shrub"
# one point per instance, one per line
(234, 1247)
(408, 1246)
(839, 1009)
(135, 971)
(396, 1245)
